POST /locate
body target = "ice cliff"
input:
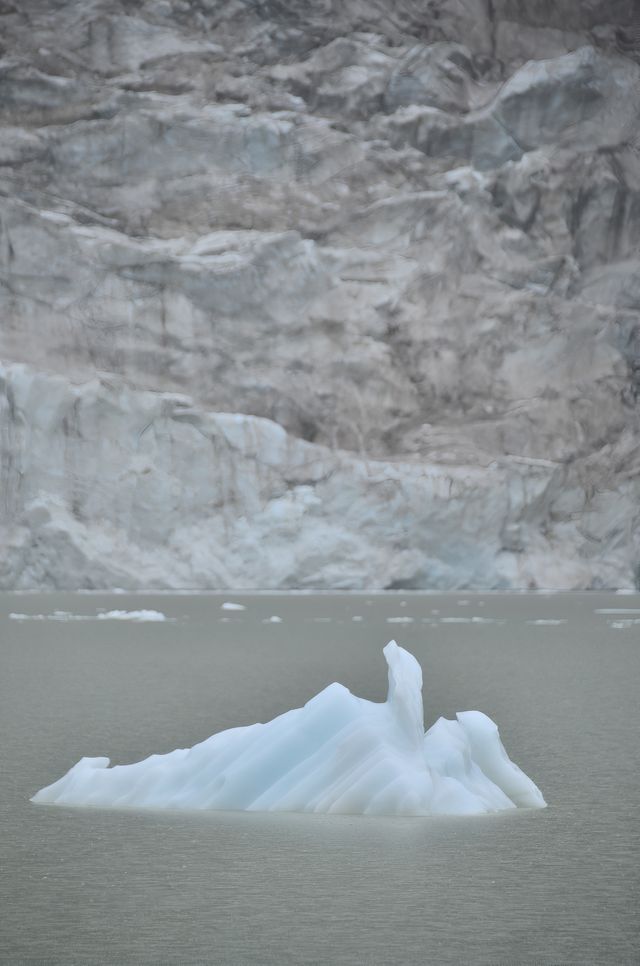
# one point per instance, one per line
(319, 295)
(338, 753)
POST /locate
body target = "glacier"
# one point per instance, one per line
(339, 753)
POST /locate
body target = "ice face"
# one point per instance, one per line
(338, 753)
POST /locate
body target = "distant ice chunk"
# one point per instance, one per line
(617, 610)
(274, 619)
(132, 615)
(58, 615)
(399, 620)
(230, 605)
(338, 753)
(472, 620)
(548, 621)
(114, 615)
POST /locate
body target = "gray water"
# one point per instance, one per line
(87, 886)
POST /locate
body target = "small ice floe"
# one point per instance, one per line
(58, 615)
(230, 605)
(471, 620)
(626, 590)
(357, 617)
(321, 620)
(399, 620)
(617, 610)
(274, 619)
(121, 615)
(548, 621)
(624, 624)
(133, 615)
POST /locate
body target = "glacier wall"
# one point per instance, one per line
(319, 295)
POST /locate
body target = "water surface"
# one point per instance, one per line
(89, 886)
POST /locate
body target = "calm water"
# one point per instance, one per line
(85, 886)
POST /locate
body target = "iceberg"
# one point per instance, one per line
(132, 615)
(339, 753)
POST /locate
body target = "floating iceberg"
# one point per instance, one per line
(110, 615)
(132, 615)
(548, 621)
(339, 753)
(617, 610)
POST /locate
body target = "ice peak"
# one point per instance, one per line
(405, 691)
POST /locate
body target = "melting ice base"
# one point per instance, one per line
(338, 753)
